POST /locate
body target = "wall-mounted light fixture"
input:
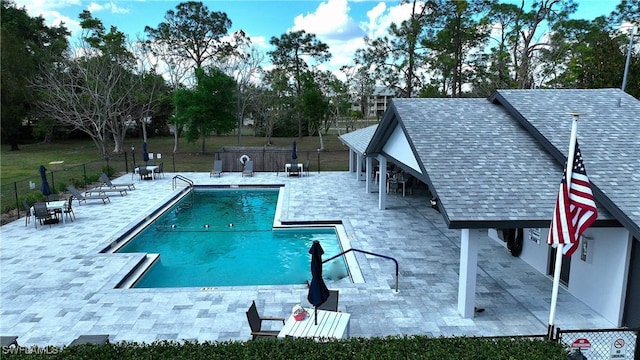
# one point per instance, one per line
(434, 203)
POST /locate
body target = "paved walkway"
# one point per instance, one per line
(55, 285)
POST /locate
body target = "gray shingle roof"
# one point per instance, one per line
(359, 139)
(608, 133)
(483, 165)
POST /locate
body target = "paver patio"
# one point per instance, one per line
(55, 285)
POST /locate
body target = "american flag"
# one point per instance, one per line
(575, 209)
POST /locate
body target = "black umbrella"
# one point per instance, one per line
(318, 292)
(145, 154)
(294, 153)
(44, 188)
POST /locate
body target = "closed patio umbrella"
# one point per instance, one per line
(294, 153)
(318, 292)
(145, 154)
(44, 188)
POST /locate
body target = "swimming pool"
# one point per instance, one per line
(225, 237)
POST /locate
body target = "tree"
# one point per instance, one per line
(26, 43)
(462, 29)
(245, 68)
(191, 36)
(192, 32)
(210, 107)
(98, 92)
(397, 59)
(291, 50)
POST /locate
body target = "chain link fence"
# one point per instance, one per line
(59, 175)
(602, 344)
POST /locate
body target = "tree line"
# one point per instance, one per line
(190, 76)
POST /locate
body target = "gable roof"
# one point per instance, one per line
(359, 139)
(608, 133)
(483, 165)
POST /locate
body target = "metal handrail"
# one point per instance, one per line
(180, 177)
(369, 253)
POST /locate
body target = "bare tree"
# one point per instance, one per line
(246, 69)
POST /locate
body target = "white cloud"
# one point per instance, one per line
(331, 20)
(110, 6)
(49, 12)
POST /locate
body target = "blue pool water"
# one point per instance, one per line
(225, 238)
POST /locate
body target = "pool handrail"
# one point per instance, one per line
(180, 177)
(369, 253)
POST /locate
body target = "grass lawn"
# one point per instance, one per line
(19, 168)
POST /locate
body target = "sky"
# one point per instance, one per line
(341, 24)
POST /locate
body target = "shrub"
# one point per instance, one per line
(408, 347)
(108, 170)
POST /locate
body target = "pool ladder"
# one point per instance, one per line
(189, 187)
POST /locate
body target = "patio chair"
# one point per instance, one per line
(107, 183)
(43, 215)
(160, 169)
(293, 170)
(68, 209)
(332, 302)
(255, 322)
(27, 209)
(84, 197)
(248, 168)
(306, 166)
(144, 173)
(217, 168)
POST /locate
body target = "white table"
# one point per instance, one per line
(331, 324)
(287, 168)
(151, 168)
(51, 205)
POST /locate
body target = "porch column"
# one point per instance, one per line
(469, 239)
(358, 166)
(382, 184)
(351, 153)
(369, 173)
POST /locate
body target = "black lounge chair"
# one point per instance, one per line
(217, 168)
(101, 191)
(255, 322)
(107, 183)
(91, 339)
(84, 197)
(8, 341)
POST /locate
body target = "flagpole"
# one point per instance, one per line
(558, 264)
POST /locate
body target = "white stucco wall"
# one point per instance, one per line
(398, 147)
(599, 282)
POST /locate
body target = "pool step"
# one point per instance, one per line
(137, 271)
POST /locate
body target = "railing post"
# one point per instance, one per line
(15, 190)
(53, 183)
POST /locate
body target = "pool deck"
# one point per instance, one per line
(55, 285)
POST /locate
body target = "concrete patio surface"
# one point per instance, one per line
(55, 285)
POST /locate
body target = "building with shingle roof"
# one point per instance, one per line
(495, 164)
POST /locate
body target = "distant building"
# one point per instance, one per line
(376, 103)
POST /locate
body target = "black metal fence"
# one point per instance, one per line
(595, 344)
(60, 175)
